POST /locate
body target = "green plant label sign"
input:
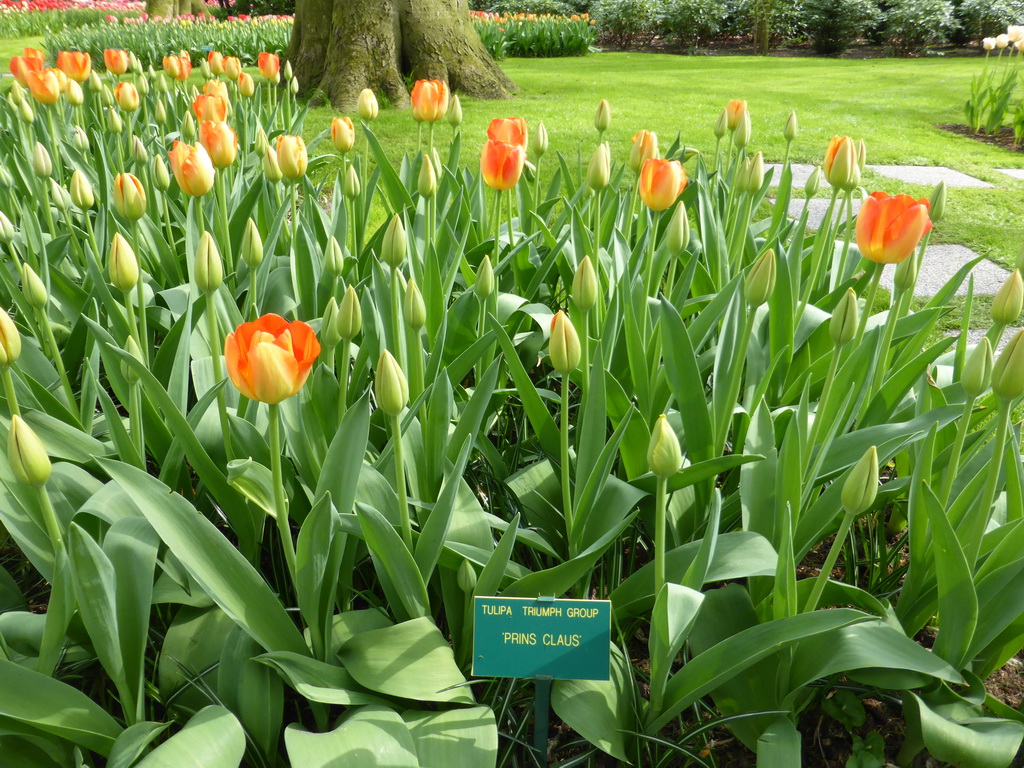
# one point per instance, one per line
(531, 637)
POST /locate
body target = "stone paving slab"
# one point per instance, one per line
(941, 262)
(928, 175)
(975, 335)
(801, 173)
(1017, 173)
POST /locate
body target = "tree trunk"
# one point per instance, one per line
(168, 8)
(340, 47)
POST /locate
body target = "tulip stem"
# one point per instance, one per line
(564, 458)
(58, 363)
(958, 446)
(585, 350)
(135, 419)
(651, 248)
(737, 377)
(511, 238)
(497, 227)
(55, 147)
(140, 294)
(660, 505)
(989, 496)
(826, 391)
(9, 393)
(218, 373)
(882, 363)
(403, 501)
(396, 316)
(837, 275)
(823, 236)
(50, 521)
(869, 304)
(225, 236)
(280, 504)
(830, 562)
(343, 378)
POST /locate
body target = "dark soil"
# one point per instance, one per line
(1002, 138)
(739, 46)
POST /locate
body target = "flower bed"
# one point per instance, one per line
(532, 35)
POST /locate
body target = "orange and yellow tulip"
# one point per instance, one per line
(216, 88)
(269, 65)
(22, 65)
(734, 111)
(889, 228)
(429, 100)
(246, 85)
(44, 85)
(501, 164)
(126, 96)
(216, 61)
(840, 164)
(129, 196)
(34, 53)
(115, 60)
(343, 134)
(661, 182)
(269, 359)
(74, 64)
(185, 70)
(292, 156)
(232, 67)
(511, 130)
(192, 168)
(645, 146)
(172, 67)
(220, 142)
(213, 108)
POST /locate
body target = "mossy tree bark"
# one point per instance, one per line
(167, 8)
(339, 47)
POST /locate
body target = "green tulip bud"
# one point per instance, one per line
(751, 175)
(350, 315)
(161, 176)
(393, 248)
(845, 319)
(741, 136)
(42, 165)
(287, 70)
(139, 153)
(122, 266)
(539, 142)
(209, 269)
(10, 341)
(564, 345)
(188, 127)
(426, 184)
(351, 186)
(133, 62)
(7, 231)
(937, 202)
(455, 112)
(906, 275)
(142, 85)
(792, 128)
(6, 180)
(1009, 300)
(415, 309)
(114, 122)
(129, 197)
(678, 230)
(132, 348)
(722, 124)
(466, 577)
(160, 112)
(75, 96)
(329, 335)
(204, 70)
(25, 113)
(585, 287)
(813, 184)
(293, 86)
(862, 156)
(59, 196)
(107, 97)
(664, 456)
(600, 170)
(80, 139)
(16, 94)
(484, 285)
(390, 387)
(251, 248)
(861, 484)
(95, 84)
(81, 191)
(27, 455)
(33, 288)
(977, 373)
(261, 143)
(271, 168)
(603, 117)
(760, 280)
(1008, 371)
(334, 258)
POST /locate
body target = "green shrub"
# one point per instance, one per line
(14, 24)
(693, 22)
(833, 24)
(627, 22)
(986, 18)
(912, 25)
(781, 20)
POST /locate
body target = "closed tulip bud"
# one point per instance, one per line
(367, 105)
(129, 196)
(161, 176)
(329, 336)
(114, 123)
(351, 185)
(7, 230)
(393, 248)
(10, 341)
(59, 196)
(813, 184)
(760, 280)
(27, 455)
(251, 248)
(539, 142)
(139, 153)
(861, 485)
(75, 96)
(246, 85)
(1008, 371)
(664, 455)
(845, 319)
(293, 86)
(292, 156)
(564, 345)
(906, 275)
(841, 167)
(79, 139)
(937, 202)
(600, 170)
(188, 127)
(122, 266)
(603, 116)
(133, 62)
(645, 146)
(350, 315)
(977, 374)
(792, 129)
(160, 113)
(455, 112)
(585, 286)
(271, 168)
(42, 165)
(16, 94)
(126, 96)
(862, 154)
(989, 43)
(33, 288)
(6, 180)
(260, 143)
(721, 124)
(209, 268)
(741, 136)
(1002, 41)
(286, 70)
(415, 309)
(751, 176)
(679, 230)
(426, 184)
(95, 84)
(232, 67)
(220, 142)
(390, 387)
(204, 70)
(131, 375)
(142, 85)
(1009, 300)
(334, 258)
(107, 97)
(466, 577)
(25, 112)
(484, 285)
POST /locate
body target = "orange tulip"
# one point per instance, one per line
(890, 228)
(216, 88)
(269, 359)
(219, 141)
(511, 130)
(343, 135)
(269, 65)
(216, 61)
(840, 162)
(429, 100)
(501, 164)
(192, 168)
(645, 146)
(210, 108)
(62, 79)
(172, 67)
(126, 96)
(75, 65)
(34, 53)
(129, 196)
(734, 110)
(246, 85)
(44, 85)
(292, 156)
(661, 182)
(232, 67)
(22, 65)
(116, 61)
(185, 63)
